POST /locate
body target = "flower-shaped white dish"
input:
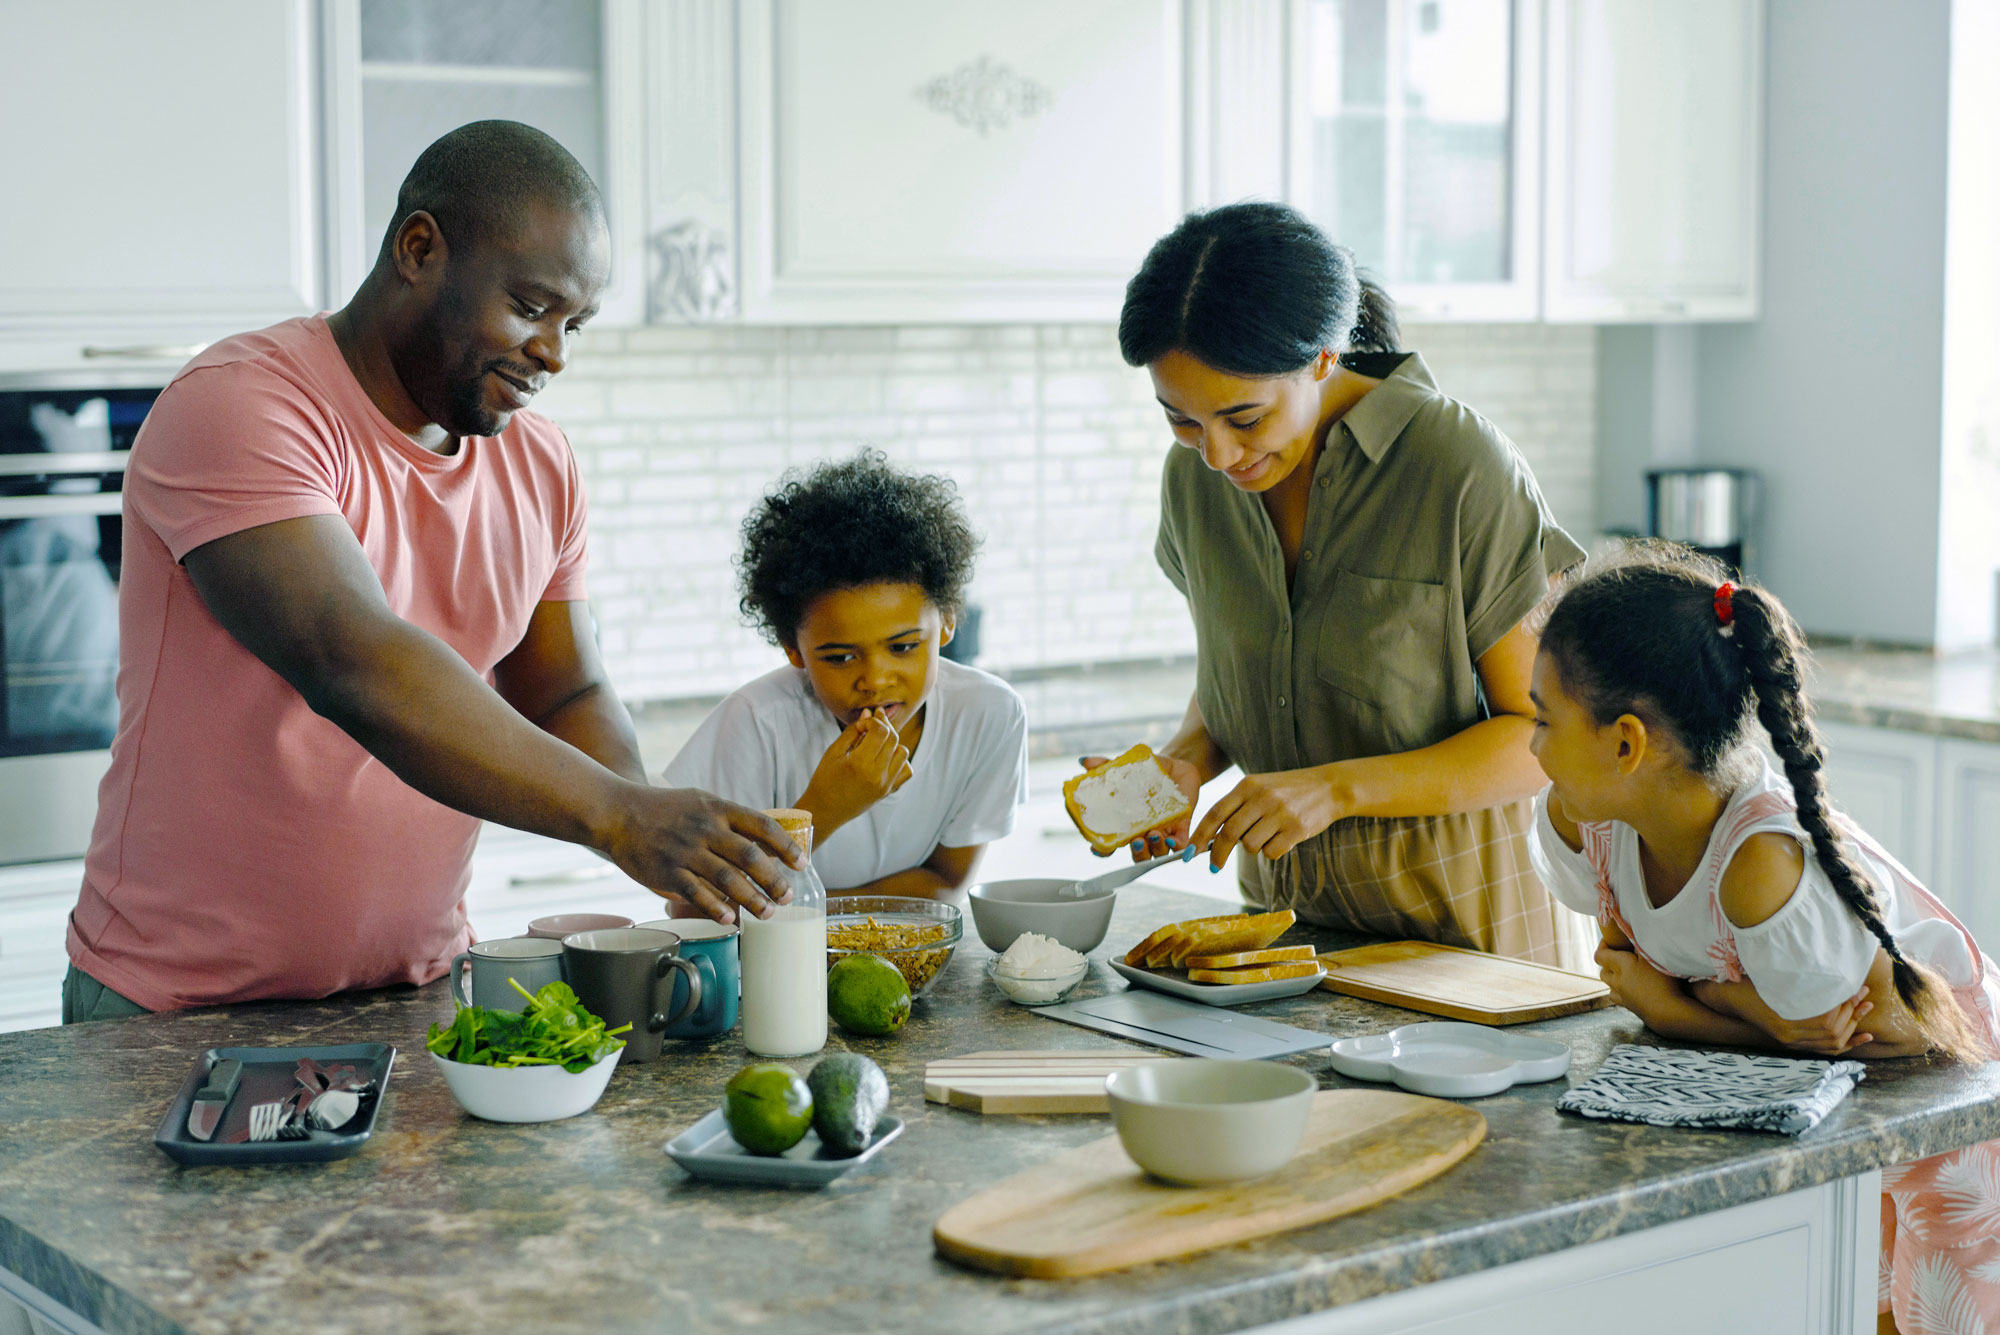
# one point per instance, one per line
(1449, 1059)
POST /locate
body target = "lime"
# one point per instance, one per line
(865, 994)
(768, 1108)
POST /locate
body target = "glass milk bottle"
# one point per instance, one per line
(784, 960)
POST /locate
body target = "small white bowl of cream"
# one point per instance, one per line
(1037, 970)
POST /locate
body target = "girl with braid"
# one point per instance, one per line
(1737, 907)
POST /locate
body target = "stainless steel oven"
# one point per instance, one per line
(63, 449)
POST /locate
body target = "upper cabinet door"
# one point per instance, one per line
(1655, 142)
(1414, 142)
(401, 75)
(905, 160)
(161, 171)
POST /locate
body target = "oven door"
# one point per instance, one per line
(59, 561)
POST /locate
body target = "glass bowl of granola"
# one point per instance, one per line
(916, 935)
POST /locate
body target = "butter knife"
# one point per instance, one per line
(212, 1099)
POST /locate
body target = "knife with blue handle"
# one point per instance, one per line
(212, 1099)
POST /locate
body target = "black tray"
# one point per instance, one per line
(269, 1073)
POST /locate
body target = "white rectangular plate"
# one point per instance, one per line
(1219, 994)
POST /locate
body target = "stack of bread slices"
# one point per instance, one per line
(1233, 948)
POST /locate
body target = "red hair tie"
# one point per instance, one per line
(1725, 610)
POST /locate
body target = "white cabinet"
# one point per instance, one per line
(35, 903)
(162, 178)
(1968, 873)
(903, 160)
(1415, 141)
(1655, 115)
(1932, 802)
(1888, 782)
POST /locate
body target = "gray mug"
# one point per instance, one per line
(479, 975)
(626, 975)
(712, 947)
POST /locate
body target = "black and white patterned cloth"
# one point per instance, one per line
(1672, 1087)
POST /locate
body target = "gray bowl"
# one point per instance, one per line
(1002, 910)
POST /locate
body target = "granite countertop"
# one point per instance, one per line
(1946, 695)
(446, 1223)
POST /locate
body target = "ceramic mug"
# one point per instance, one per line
(560, 925)
(626, 975)
(479, 976)
(712, 947)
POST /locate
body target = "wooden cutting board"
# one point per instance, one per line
(1028, 1082)
(1092, 1209)
(1460, 984)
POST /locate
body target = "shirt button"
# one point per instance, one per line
(1306, 555)
(1281, 702)
(1323, 481)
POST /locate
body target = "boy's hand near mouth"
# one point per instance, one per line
(866, 763)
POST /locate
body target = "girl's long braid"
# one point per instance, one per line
(1768, 642)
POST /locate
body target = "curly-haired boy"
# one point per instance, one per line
(909, 762)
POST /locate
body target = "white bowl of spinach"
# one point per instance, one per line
(549, 1061)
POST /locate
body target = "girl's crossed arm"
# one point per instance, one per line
(1761, 879)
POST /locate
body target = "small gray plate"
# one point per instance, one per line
(707, 1150)
(268, 1075)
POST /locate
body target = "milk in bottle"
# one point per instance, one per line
(784, 961)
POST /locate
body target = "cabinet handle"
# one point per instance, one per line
(152, 352)
(574, 874)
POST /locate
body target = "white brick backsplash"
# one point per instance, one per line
(1055, 443)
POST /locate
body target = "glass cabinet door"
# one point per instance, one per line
(400, 74)
(1415, 139)
(429, 68)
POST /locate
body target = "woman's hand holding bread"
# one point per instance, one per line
(1173, 834)
(1271, 814)
(865, 764)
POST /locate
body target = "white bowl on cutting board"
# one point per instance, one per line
(1198, 1121)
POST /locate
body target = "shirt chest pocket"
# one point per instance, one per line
(1383, 640)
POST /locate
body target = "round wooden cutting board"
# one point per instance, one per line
(1092, 1209)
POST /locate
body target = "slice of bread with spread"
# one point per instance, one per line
(1120, 800)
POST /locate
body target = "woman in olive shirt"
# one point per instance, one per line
(1358, 551)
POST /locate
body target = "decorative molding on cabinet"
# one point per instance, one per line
(690, 121)
(861, 204)
(985, 95)
(693, 275)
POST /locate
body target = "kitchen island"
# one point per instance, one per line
(446, 1223)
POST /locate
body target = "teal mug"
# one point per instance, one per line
(711, 947)
(479, 976)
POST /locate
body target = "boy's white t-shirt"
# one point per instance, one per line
(761, 745)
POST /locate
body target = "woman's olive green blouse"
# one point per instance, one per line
(1426, 541)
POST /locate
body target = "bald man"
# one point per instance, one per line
(353, 625)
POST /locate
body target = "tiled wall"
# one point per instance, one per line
(1055, 443)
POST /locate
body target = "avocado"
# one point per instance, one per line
(849, 1094)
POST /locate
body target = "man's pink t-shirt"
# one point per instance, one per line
(245, 847)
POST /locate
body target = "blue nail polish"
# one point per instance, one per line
(1138, 844)
(1172, 844)
(1213, 868)
(1188, 856)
